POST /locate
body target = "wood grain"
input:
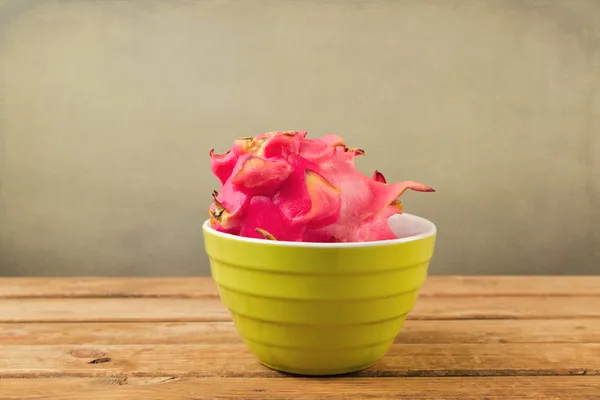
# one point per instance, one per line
(414, 332)
(231, 360)
(211, 309)
(204, 287)
(166, 387)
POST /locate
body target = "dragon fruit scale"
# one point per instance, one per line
(283, 186)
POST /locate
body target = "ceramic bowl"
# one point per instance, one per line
(320, 308)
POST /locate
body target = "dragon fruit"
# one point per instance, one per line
(283, 186)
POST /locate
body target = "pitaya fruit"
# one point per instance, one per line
(283, 186)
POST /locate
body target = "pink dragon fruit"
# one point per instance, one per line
(283, 186)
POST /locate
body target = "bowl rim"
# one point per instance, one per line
(429, 229)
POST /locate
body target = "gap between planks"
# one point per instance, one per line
(211, 309)
(235, 360)
(413, 332)
(162, 387)
(194, 287)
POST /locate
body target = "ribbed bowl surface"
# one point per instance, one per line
(315, 309)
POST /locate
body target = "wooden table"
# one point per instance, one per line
(171, 338)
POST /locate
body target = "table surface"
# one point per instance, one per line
(158, 338)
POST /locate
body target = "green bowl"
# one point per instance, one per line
(320, 308)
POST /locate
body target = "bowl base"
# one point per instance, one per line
(316, 372)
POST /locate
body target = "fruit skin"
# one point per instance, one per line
(283, 186)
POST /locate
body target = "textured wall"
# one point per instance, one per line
(108, 110)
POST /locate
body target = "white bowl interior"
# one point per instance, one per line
(408, 228)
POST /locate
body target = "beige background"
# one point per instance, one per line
(108, 110)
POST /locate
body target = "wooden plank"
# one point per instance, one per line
(193, 287)
(414, 331)
(159, 388)
(112, 309)
(211, 309)
(231, 360)
(506, 307)
(500, 331)
(189, 287)
(512, 286)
